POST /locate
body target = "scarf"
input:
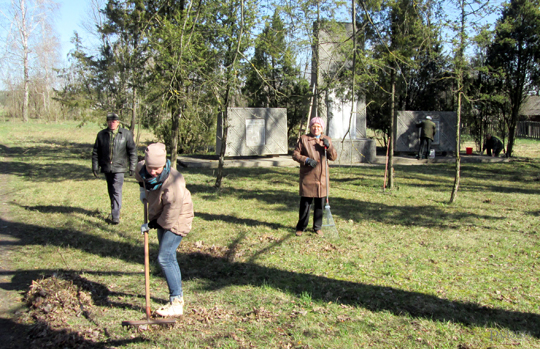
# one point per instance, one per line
(154, 183)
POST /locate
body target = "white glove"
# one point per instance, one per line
(142, 194)
(144, 228)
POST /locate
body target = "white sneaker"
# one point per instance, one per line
(174, 308)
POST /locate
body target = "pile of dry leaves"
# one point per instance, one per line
(51, 302)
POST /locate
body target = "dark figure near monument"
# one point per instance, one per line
(427, 132)
(493, 145)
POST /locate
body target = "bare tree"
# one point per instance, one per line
(24, 34)
(95, 19)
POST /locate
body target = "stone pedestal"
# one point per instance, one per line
(340, 120)
(356, 151)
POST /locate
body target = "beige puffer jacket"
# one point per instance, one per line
(171, 204)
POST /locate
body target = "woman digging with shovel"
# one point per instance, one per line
(310, 153)
(170, 211)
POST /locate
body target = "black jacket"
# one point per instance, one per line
(124, 152)
(493, 143)
(428, 129)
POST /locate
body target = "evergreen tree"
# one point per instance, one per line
(181, 62)
(272, 81)
(514, 58)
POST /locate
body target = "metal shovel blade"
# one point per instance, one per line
(328, 226)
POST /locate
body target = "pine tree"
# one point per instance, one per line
(514, 57)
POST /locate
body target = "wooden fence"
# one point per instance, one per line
(528, 129)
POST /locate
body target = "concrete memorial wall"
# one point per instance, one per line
(408, 135)
(254, 132)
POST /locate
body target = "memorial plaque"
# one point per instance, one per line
(254, 131)
(255, 134)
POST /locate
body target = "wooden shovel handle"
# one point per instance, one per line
(146, 264)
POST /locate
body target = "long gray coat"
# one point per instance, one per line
(313, 179)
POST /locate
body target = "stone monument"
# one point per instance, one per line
(254, 132)
(346, 120)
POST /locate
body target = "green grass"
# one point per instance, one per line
(407, 271)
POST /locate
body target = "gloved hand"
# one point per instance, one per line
(153, 224)
(144, 228)
(142, 194)
(311, 162)
(95, 172)
(131, 173)
(326, 143)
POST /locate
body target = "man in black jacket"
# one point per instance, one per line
(493, 144)
(115, 153)
(428, 131)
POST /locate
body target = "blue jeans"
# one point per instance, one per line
(168, 243)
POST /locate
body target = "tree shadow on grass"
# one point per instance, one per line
(47, 173)
(61, 209)
(481, 178)
(421, 215)
(239, 221)
(56, 162)
(220, 272)
(41, 335)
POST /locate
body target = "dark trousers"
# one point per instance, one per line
(496, 151)
(425, 145)
(114, 186)
(303, 219)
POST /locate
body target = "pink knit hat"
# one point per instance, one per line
(317, 120)
(155, 155)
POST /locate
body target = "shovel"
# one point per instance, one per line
(328, 226)
(148, 320)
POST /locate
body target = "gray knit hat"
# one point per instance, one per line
(155, 155)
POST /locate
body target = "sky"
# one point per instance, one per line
(71, 15)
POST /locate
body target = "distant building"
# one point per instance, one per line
(529, 113)
(530, 109)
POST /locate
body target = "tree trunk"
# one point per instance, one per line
(453, 197)
(174, 135)
(134, 112)
(26, 68)
(511, 139)
(392, 136)
(314, 111)
(225, 128)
